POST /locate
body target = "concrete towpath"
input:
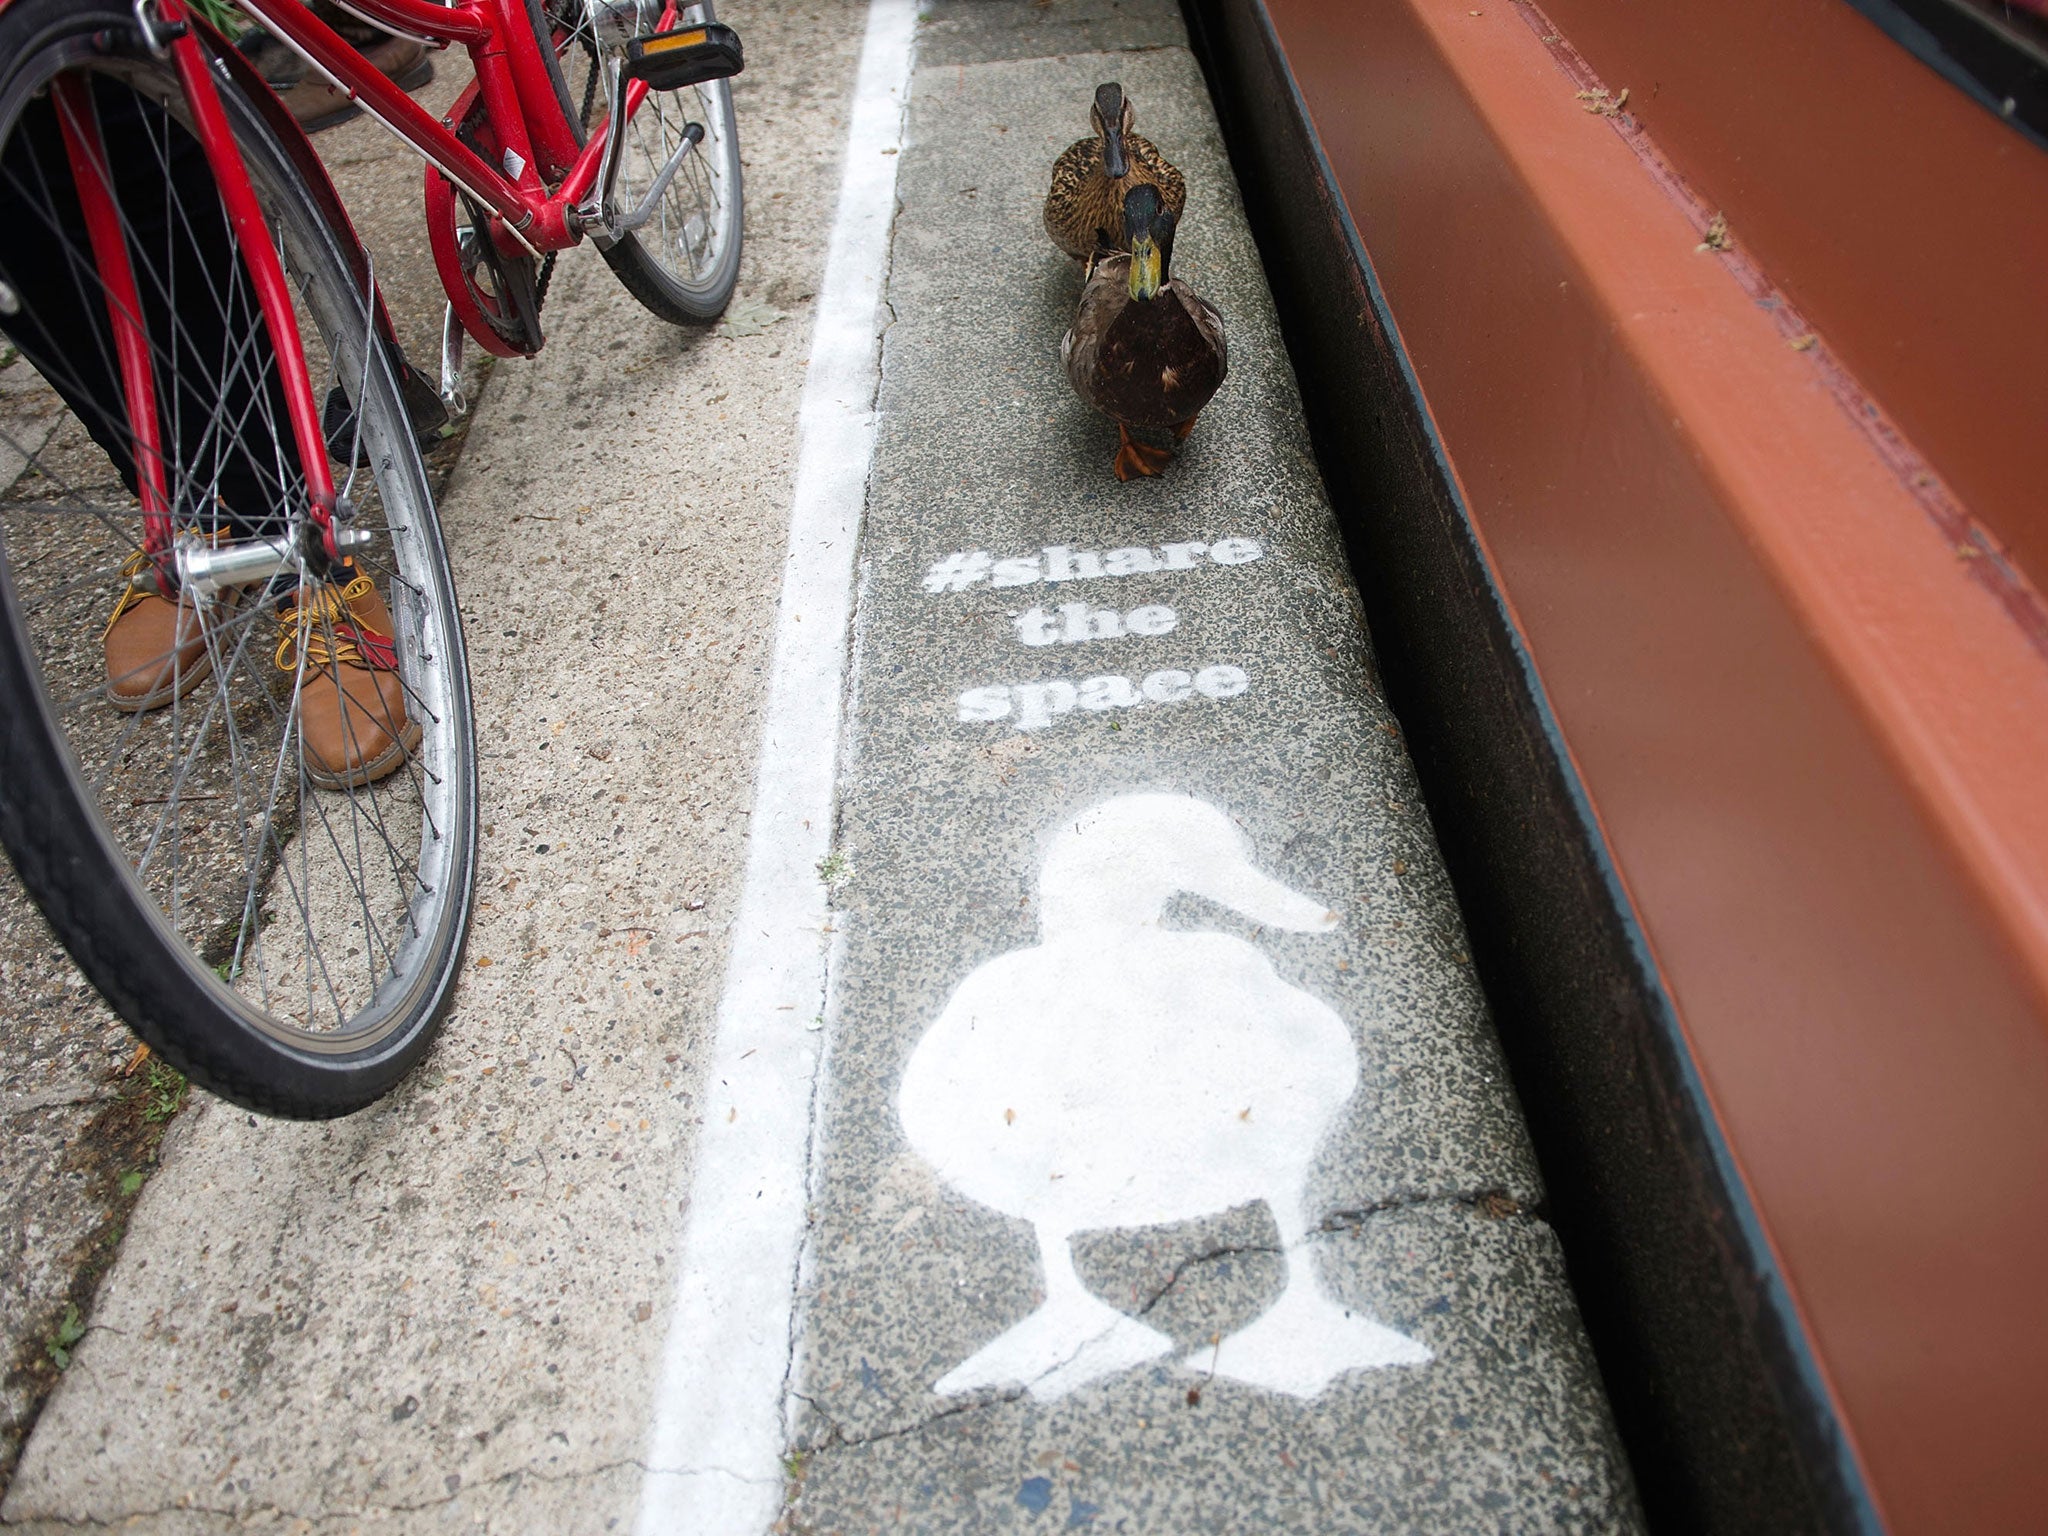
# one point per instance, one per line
(1009, 1062)
(1104, 1232)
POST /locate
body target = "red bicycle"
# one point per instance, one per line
(247, 799)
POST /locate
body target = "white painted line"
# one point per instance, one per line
(715, 1449)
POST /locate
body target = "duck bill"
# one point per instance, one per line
(1258, 896)
(1145, 268)
(1114, 165)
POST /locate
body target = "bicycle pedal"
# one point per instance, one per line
(668, 61)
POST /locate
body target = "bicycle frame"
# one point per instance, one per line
(516, 87)
(518, 96)
(92, 176)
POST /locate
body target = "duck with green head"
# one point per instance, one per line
(1145, 349)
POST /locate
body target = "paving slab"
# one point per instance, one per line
(1166, 1174)
(972, 32)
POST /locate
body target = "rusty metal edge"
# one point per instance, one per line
(1721, 1402)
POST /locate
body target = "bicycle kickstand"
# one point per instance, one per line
(451, 365)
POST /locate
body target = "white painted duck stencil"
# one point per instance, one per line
(1124, 1074)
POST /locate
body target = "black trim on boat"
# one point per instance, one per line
(1992, 53)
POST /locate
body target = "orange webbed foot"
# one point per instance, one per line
(1134, 459)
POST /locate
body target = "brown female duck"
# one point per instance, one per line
(1083, 210)
(1145, 349)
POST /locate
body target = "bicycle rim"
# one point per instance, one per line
(684, 261)
(295, 933)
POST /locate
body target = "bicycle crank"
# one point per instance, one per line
(494, 285)
(496, 296)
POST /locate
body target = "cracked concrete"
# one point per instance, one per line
(1422, 1206)
(1447, 1450)
(434, 1316)
(499, 1503)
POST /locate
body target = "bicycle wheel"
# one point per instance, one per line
(286, 931)
(684, 262)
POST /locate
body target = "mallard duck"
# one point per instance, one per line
(1090, 180)
(1145, 349)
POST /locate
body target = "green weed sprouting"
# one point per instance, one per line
(163, 1093)
(69, 1332)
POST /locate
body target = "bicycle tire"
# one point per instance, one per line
(137, 886)
(696, 286)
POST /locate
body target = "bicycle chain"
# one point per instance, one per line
(465, 132)
(547, 267)
(590, 84)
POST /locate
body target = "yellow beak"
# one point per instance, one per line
(1144, 268)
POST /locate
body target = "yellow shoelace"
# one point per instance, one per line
(326, 628)
(133, 567)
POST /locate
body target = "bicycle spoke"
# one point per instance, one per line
(683, 260)
(323, 879)
(183, 381)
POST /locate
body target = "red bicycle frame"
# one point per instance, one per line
(92, 175)
(516, 87)
(518, 94)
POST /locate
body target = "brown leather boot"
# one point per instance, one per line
(352, 721)
(315, 103)
(155, 648)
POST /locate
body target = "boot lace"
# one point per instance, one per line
(322, 626)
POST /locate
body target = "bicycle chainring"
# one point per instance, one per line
(495, 296)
